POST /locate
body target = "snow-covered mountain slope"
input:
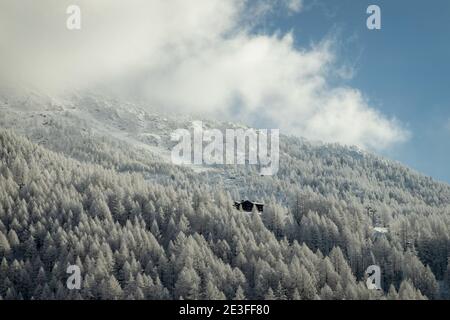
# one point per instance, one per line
(100, 116)
(325, 168)
(120, 129)
(319, 196)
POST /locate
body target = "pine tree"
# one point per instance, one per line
(408, 292)
(13, 238)
(187, 285)
(326, 293)
(240, 295)
(392, 294)
(111, 289)
(212, 292)
(5, 248)
(270, 295)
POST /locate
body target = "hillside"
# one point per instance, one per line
(87, 180)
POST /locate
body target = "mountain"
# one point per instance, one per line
(87, 180)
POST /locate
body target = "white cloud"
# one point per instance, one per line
(196, 56)
(295, 5)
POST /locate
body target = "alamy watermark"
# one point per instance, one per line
(73, 21)
(374, 20)
(237, 146)
(74, 280)
(373, 281)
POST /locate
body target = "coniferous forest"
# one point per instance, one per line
(141, 228)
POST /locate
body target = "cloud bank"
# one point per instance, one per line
(197, 56)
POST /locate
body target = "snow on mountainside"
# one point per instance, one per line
(328, 169)
(324, 196)
(124, 121)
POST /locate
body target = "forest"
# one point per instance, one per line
(141, 228)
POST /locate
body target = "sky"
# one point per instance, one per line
(404, 68)
(308, 67)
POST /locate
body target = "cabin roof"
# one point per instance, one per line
(248, 201)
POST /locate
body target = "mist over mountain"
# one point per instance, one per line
(87, 180)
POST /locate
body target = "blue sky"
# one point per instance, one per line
(403, 69)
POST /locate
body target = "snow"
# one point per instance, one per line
(381, 230)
